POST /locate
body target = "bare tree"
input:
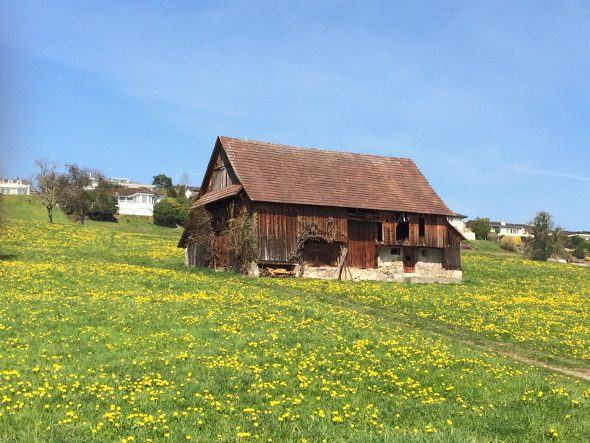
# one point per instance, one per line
(182, 186)
(47, 184)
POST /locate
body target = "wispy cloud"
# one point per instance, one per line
(552, 173)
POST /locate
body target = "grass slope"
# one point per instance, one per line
(105, 336)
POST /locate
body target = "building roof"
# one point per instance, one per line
(285, 174)
(127, 191)
(496, 224)
(574, 233)
(218, 194)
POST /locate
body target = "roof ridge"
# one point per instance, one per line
(331, 151)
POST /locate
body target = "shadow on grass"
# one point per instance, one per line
(7, 256)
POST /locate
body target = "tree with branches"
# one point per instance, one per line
(545, 240)
(76, 195)
(47, 183)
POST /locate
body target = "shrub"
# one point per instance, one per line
(171, 211)
(242, 243)
(492, 236)
(166, 212)
(510, 243)
(575, 241)
(580, 251)
(103, 207)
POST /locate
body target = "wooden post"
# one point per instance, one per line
(342, 260)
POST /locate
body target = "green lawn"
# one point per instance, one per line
(105, 336)
(487, 247)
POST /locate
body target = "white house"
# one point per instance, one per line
(583, 234)
(14, 187)
(136, 201)
(510, 229)
(191, 191)
(458, 221)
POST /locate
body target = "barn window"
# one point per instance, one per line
(396, 251)
(424, 252)
(402, 230)
(421, 227)
(380, 232)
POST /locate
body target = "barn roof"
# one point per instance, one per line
(218, 194)
(277, 173)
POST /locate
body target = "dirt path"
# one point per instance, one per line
(581, 373)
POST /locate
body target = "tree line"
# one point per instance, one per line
(546, 239)
(71, 191)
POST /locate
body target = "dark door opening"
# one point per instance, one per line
(409, 260)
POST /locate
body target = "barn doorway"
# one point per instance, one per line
(362, 244)
(321, 253)
(409, 260)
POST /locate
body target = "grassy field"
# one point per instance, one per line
(106, 337)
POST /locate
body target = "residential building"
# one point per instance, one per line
(458, 221)
(136, 201)
(14, 186)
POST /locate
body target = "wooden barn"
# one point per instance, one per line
(326, 214)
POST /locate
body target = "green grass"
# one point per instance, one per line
(104, 335)
(487, 247)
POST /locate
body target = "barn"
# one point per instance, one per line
(325, 214)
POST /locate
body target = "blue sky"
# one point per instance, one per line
(491, 99)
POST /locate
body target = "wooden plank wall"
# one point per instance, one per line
(434, 232)
(362, 247)
(277, 232)
(279, 226)
(326, 219)
(222, 174)
(451, 254)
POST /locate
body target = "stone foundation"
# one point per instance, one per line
(428, 269)
(386, 273)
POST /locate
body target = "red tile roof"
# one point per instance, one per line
(286, 174)
(218, 194)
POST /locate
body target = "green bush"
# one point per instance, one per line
(510, 243)
(166, 212)
(580, 251)
(171, 211)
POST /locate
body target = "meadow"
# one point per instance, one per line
(105, 336)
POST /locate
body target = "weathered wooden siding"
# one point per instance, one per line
(222, 174)
(277, 232)
(280, 225)
(220, 251)
(435, 231)
(362, 244)
(451, 254)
